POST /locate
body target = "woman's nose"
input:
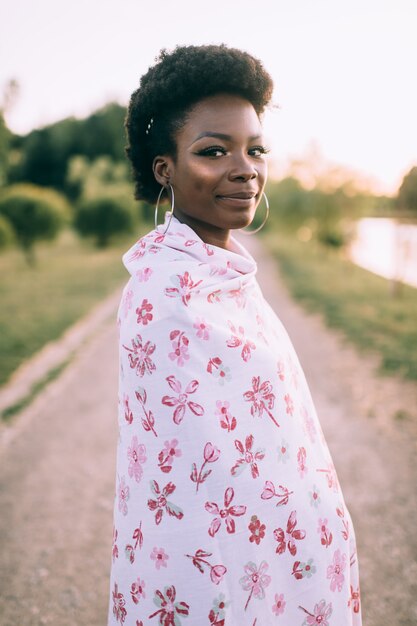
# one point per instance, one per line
(242, 169)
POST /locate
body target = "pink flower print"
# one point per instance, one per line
(160, 557)
(169, 610)
(355, 599)
(182, 402)
(227, 513)
(326, 536)
(161, 504)
(301, 459)
(314, 497)
(282, 493)
(238, 339)
(128, 412)
(257, 530)
(216, 367)
(279, 604)
(124, 494)
(136, 454)
(218, 612)
(148, 422)
(335, 571)
(303, 570)
(294, 372)
(138, 541)
(309, 425)
(227, 420)
(179, 347)
(331, 477)
(283, 451)
(320, 616)
(184, 287)
(248, 457)
(214, 296)
(115, 549)
(216, 571)
(281, 370)
(255, 580)
(261, 397)
(290, 404)
(211, 455)
(288, 538)
(341, 513)
(144, 275)
(137, 590)
(127, 302)
(119, 602)
(239, 297)
(144, 313)
(140, 356)
(168, 454)
(202, 328)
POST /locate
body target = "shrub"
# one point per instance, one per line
(102, 218)
(6, 232)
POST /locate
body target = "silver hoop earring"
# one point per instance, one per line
(252, 232)
(172, 206)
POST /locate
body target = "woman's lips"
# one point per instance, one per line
(238, 199)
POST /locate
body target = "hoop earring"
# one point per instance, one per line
(172, 206)
(252, 232)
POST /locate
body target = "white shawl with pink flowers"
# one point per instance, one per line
(228, 511)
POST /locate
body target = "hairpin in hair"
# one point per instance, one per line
(148, 129)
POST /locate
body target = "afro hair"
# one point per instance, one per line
(169, 90)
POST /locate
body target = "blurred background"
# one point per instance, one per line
(343, 169)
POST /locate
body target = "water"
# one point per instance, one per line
(387, 248)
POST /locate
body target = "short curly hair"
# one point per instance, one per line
(169, 90)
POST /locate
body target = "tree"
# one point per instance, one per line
(407, 193)
(103, 217)
(35, 213)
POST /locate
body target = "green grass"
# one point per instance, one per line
(354, 300)
(38, 304)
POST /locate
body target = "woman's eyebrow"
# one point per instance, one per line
(221, 136)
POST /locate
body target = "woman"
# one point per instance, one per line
(228, 510)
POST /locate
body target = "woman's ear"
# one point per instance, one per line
(163, 169)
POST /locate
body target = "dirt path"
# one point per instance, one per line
(58, 468)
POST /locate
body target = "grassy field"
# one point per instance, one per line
(352, 299)
(38, 304)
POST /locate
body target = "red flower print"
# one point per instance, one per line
(341, 513)
(115, 549)
(255, 580)
(355, 599)
(290, 404)
(335, 571)
(301, 459)
(248, 457)
(238, 339)
(137, 590)
(128, 412)
(214, 296)
(169, 609)
(216, 367)
(279, 604)
(119, 602)
(160, 557)
(288, 538)
(261, 397)
(227, 420)
(179, 347)
(167, 455)
(138, 539)
(216, 571)
(257, 530)
(148, 422)
(136, 454)
(211, 455)
(202, 328)
(144, 312)
(140, 356)
(184, 287)
(282, 493)
(227, 513)
(161, 504)
(182, 402)
(303, 570)
(124, 494)
(320, 616)
(326, 536)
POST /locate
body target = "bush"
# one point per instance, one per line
(6, 233)
(104, 217)
(35, 213)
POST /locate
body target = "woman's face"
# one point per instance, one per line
(220, 168)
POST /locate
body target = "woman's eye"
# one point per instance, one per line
(258, 151)
(212, 151)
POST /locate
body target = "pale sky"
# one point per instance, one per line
(344, 71)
